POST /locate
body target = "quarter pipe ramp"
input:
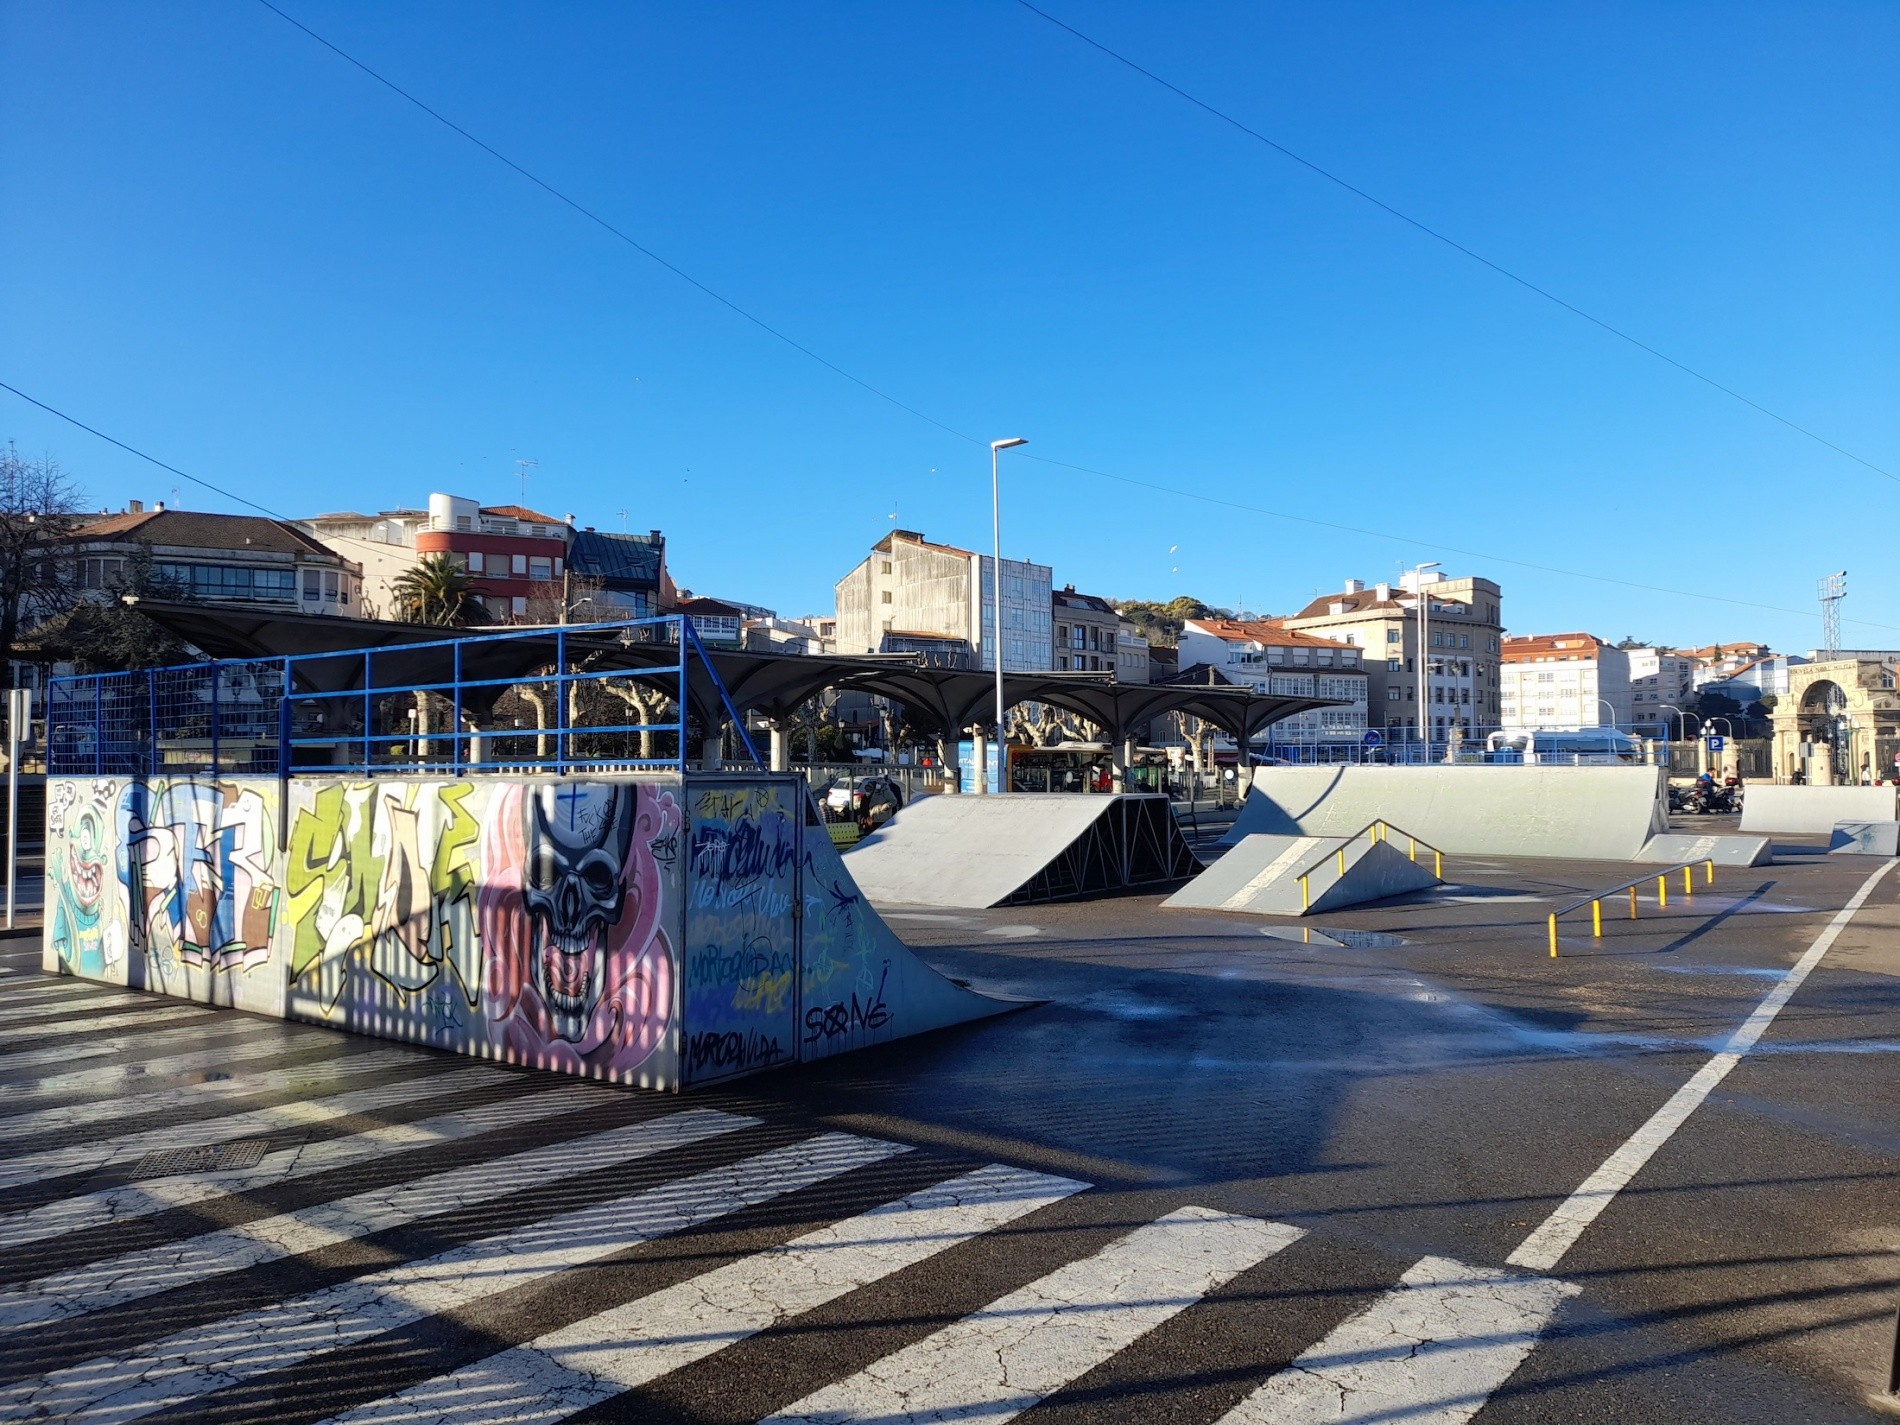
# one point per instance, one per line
(974, 852)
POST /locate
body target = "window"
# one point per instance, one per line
(884, 567)
(1464, 640)
(1546, 677)
(518, 603)
(518, 564)
(1062, 662)
(1394, 665)
(313, 583)
(100, 573)
(1394, 635)
(1392, 695)
(475, 561)
(885, 597)
(1438, 640)
(541, 568)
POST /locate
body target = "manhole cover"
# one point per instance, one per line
(215, 1158)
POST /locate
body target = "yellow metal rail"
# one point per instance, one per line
(1374, 831)
(1595, 901)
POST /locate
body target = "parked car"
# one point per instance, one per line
(869, 801)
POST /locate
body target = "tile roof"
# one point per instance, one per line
(1362, 602)
(1547, 647)
(520, 512)
(198, 529)
(1269, 633)
(911, 536)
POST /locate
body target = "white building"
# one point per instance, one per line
(909, 587)
(1661, 681)
(1270, 658)
(1131, 654)
(1563, 681)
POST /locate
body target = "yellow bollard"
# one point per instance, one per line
(1688, 882)
(1710, 877)
(1553, 936)
(1662, 891)
(1632, 902)
(1596, 919)
(1438, 864)
(1342, 860)
(1305, 900)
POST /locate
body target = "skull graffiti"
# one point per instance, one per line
(579, 837)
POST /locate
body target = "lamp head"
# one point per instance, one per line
(1014, 440)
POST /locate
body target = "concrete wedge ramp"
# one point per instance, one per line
(1263, 874)
(970, 852)
(1579, 813)
(1673, 848)
(1813, 811)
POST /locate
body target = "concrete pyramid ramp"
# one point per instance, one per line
(969, 852)
(1583, 813)
(1261, 875)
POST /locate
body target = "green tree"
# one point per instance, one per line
(1161, 623)
(39, 506)
(436, 592)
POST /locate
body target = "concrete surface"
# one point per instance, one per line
(1812, 811)
(1606, 813)
(1220, 1173)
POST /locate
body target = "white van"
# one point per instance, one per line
(1590, 747)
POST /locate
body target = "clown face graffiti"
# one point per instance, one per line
(575, 894)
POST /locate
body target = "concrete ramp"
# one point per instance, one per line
(859, 984)
(970, 852)
(1813, 811)
(1262, 875)
(1582, 813)
(1673, 848)
(1865, 838)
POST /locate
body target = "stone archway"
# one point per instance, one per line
(1823, 720)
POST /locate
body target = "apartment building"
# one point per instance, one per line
(1662, 681)
(230, 561)
(1133, 657)
(617, 576)
(1463, 631)
(1087, 632)
(911, 588)
(1265, 655)
(1564, 681)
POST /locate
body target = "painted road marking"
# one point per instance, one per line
(133, 1200)
(140, 1102)
(82, 1046)
(594, 1359)
(170, 1265)
(33, 1167)
(996, 1363)
(1429, 1352)
(260, 1041)
(59, 1004)
(19, 1034)
(189, 1363)
(1545, 1247)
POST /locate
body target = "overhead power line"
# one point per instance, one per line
(1448, 241)
(1411, 541)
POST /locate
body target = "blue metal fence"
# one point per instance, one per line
(363, 711)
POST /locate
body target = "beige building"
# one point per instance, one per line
(909, 587)
(1086, 632)
(1268, 657)
(1133, 660)
(1463, 629)
(1839, 722)
(1563, 681)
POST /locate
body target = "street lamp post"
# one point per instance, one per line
(996, 598)
(1605, 703)
(1424, 658)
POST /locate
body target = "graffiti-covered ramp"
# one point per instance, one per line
(974, 852)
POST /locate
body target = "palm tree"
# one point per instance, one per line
(436, 592)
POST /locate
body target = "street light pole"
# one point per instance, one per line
(1424, 664)
(996, 598)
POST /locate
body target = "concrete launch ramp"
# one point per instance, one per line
(1583, 813)
(1865, 838)
(1813, 811)
(971, 852)
(1674, 848)
(1263, 874)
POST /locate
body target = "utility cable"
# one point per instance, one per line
(1450, 242)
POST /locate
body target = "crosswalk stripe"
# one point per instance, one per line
(189, 1363)
(1429, 1352)
(52, 985)
(134, 1200)
(594, 1359)
(83, 1045)
(170, 1265)
(33, 1167)
(62, 1004)
(163, 1098)
(996, 1363)
(19, 1034)
(268, 1041)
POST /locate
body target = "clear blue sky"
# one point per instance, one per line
(227, 247)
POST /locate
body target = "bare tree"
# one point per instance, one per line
(39, 507)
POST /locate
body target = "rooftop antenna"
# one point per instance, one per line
(524, 466)
(1832, 589)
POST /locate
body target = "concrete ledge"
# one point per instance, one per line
(1813, 811)
(1674, 847)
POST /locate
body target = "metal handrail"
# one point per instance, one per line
(1595, 899)
(1379, 830)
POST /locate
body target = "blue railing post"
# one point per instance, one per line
(455, 709)
(217, 692)
(368, 677)
(98, 724)
(283, 722)
(151, 699)
(685, 623)
(560, 701)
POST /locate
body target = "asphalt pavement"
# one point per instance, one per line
(1220, 1169)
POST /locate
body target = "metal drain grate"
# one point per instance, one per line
(215, 1158)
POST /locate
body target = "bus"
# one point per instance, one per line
(1552, 747)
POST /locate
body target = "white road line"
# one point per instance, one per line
(596, 1358)
(1545, 1247)
(32, 1167)
(162, 1098)
(56, 1004)
(58, 984)
(19, 1035)
(134, 1200)
(265, 1041)
(1429, 1352)
(169, 1265)
(996, 1363)
(222, 1353)
(83, 1046)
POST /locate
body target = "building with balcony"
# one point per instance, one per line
(1662, 683)
(1463, 631)
(1269, 657)
(1087, 630)
(911, 587)
(1133, 657)
(617, 576)
(1564, 682)
(235, 561)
